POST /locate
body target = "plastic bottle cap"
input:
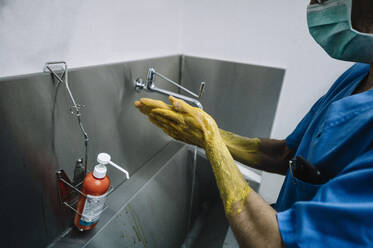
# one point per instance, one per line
(103, 158)
(99, 171)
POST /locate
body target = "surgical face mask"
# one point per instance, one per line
(330, 25)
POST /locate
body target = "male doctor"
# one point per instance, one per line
(327, 197)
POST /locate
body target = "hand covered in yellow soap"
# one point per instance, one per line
(179, 120)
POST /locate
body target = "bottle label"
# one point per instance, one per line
(93, 207)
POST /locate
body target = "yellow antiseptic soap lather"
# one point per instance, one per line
(234, 190)
(194, 126)
(243, 148)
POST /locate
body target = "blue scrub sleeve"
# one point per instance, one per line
(294, 139)
(340, 215)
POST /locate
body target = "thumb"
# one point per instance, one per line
(179, 105)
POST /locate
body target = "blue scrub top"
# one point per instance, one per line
(337, 137)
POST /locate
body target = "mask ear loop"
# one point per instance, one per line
(320, 1)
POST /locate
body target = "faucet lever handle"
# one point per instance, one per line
(201, 89)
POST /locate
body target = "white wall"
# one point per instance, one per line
(90, 32)
(85, 32)
(264, 32)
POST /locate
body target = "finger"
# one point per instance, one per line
(146, 105)
(145, 109)
(176, 135)
(141, 107)
(168, 114)
(172, 134)
(138, 104)
(166, 128)
(171, 129)
(151, 103)
(193, 122)
(163, 121)
(155, 121)
(179, 105)
(158, 120)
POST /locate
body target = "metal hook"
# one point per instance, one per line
(75, 110)
(60, 67)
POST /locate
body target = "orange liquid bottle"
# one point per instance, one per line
(95, 186)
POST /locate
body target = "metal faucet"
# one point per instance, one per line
(149, 85)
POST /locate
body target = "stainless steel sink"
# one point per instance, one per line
(152, 209)
(149, 210)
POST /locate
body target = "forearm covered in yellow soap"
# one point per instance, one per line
(253, 221)
(233, 189)
(270, 155)
(243, 149)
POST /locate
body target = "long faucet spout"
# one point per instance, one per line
(170, 93)
(150, 86)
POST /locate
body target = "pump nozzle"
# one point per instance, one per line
(104, 158)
